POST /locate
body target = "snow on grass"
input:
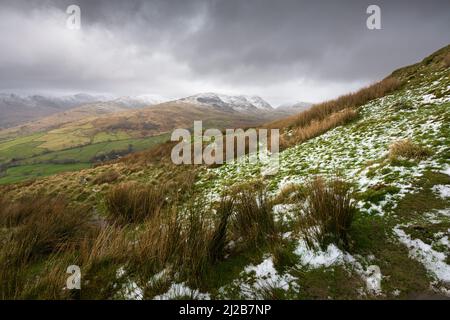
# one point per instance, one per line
(334, 256)
(446, 171)
(320, 258)
(131, 291)
(358, 152)
(437, 216)
(442, 190)
(432, 260)
(266, 273)
(256, 281)
(284, 212)
(350, 149)
(181, 290)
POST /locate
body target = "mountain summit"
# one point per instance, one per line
(239, 103)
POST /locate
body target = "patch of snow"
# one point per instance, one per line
(442, 190)
(432, 260)
(266, 277)
(334, 256)
(373, 279)
(120, 272)
(446, 171)
(181, 290)
(319, 258)
(131, 291)
(284, 212)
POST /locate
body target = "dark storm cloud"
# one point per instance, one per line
(282, 50)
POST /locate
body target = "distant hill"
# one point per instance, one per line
(16, 109)
(293, 108)
(20, 109)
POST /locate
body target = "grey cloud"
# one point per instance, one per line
(282, 50)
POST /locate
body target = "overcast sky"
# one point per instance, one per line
(283, 51)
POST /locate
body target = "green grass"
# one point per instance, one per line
(78, 158)
(86, 153)
(26, 172)
(21, 148)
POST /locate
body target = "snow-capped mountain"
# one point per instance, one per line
(139, 101)
(234, 103)
(16, 109)
(36, 100)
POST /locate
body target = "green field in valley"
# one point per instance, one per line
(26, 172)
(36, 162)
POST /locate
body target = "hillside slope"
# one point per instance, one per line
(394, 157)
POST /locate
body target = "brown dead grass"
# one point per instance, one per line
(133, 202)
(409, 150)
(353, 100)
(329, 213)
(447, 60)
(253, 220)
(107, 176)
(35, 229)
(317, 127)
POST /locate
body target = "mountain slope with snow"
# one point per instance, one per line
(231, 103)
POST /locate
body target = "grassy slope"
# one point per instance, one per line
(392, 196)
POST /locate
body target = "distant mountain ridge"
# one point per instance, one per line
(35, 113)
(16, 109)
(238, 103)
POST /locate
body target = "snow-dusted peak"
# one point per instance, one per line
(237, 103)
(139, 101)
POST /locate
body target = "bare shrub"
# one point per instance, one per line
(179, 237)
(327, 213)
(99, 258)
(197, 234)
(408, 149)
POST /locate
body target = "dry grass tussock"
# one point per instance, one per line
(133, 202)
(328, 212)
(317, 127)
(409, 150)
(35, 229)
(447, 60)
